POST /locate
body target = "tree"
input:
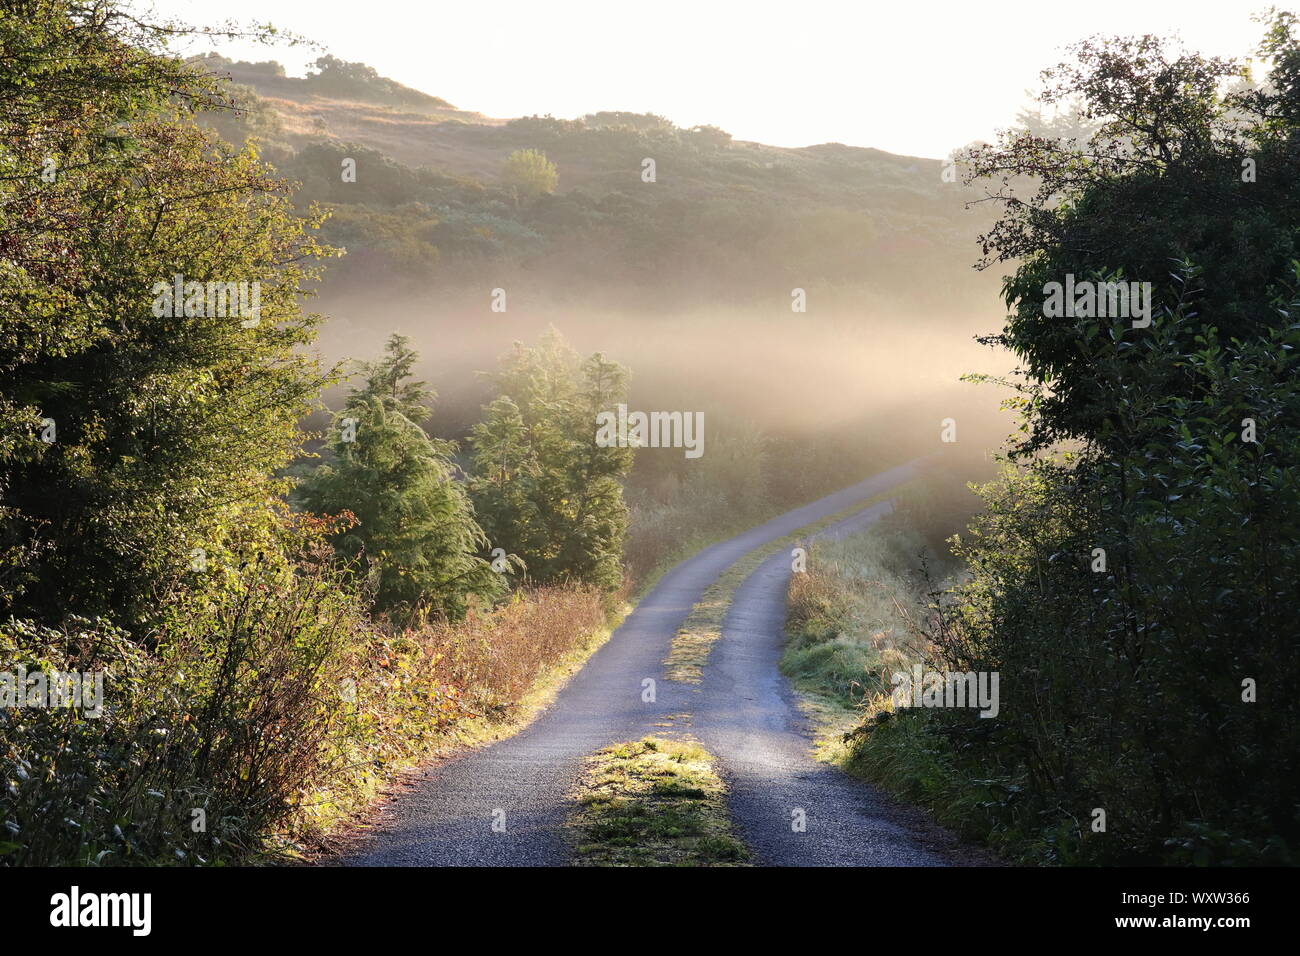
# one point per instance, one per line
(530, 173)
(137, 430)
(1060, 122)
(623, 119)
(710, 137)
(542, 487)
(340, 78)
(1160, 182)
(415, 536)
(1148, 544)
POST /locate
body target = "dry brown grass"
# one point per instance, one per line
(497, 656)
(413, 694)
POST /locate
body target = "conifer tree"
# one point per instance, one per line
(543, 489)
(415, 537)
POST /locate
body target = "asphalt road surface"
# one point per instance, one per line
(789, 808)
(743, 711)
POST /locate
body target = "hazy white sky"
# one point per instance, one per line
(910, 76)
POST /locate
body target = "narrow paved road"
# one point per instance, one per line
(447, 818)
(790, 809)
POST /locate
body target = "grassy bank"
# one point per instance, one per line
(851, 617)
(852, 621)
(855, 617)
(495, 672)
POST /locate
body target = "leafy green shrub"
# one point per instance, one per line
(530, 173)
(265, 713)
(1136, 590)
(206, 743)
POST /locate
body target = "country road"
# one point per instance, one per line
(743, 711)
(747, 717)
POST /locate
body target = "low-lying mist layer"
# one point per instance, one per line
(787, 374)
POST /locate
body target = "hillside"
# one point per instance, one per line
(734, 220)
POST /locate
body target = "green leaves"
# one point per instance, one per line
(1125, 685)
(542, 487)
(416, 538)
(170, 427)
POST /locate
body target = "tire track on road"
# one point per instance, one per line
(791, 809)
(522, 783)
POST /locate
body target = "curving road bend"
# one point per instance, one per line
(789, 808)
(520, 784)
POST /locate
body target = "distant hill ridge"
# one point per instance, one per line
(828, 214)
